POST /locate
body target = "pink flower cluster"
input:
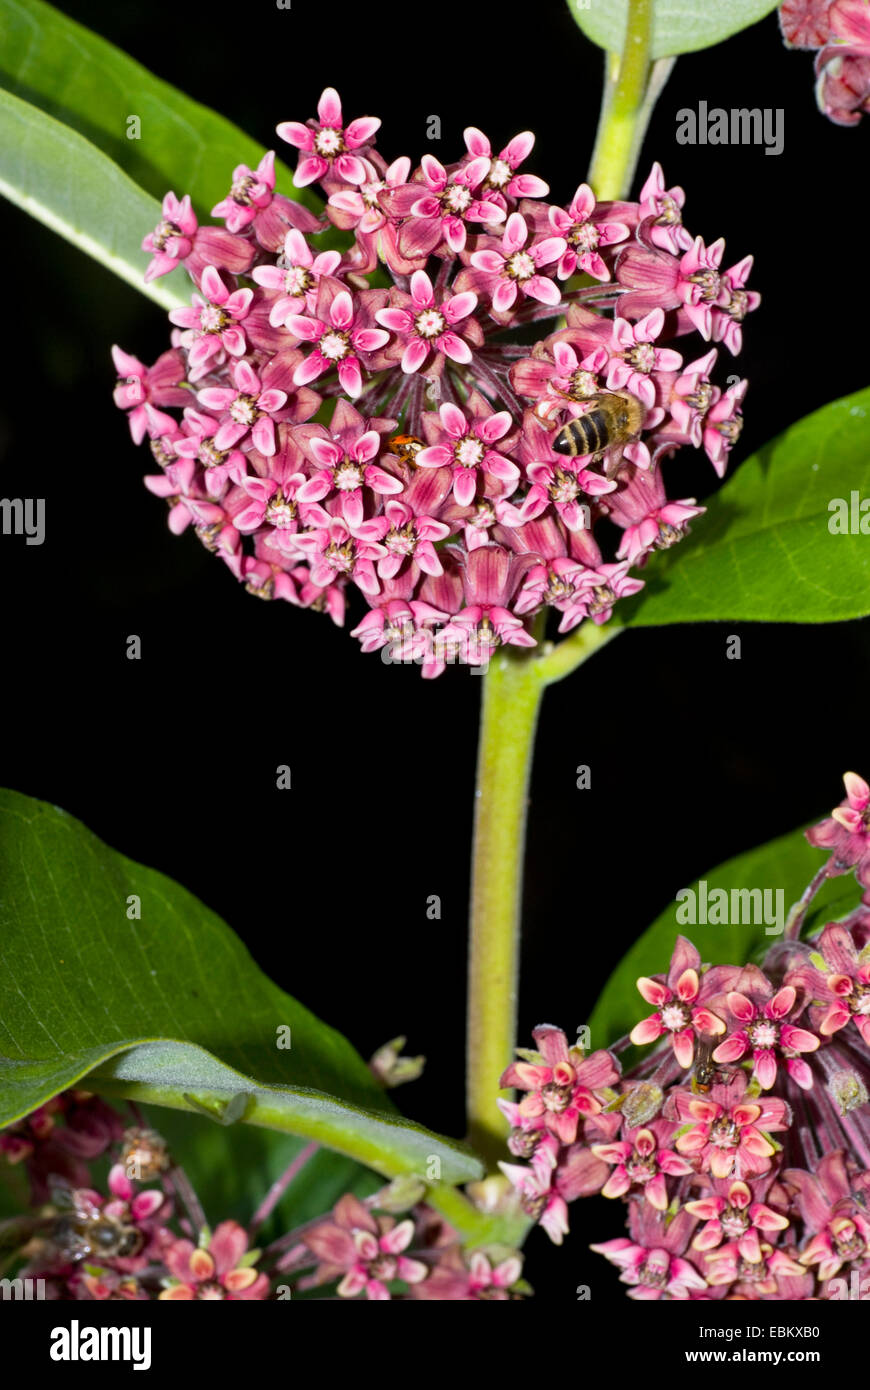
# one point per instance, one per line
(741, 1143)
(839, 31)
(138, 1242)
(337, 434)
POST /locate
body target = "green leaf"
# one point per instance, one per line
(678, 26)
(232, 1169)
(66, 182)
(169, 1009)
(788, 864)
(92, 86)
(763, 552)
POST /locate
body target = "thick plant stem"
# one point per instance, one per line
(632, 87)
(511, 697)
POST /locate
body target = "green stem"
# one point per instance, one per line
(632, 86)
(512, 695)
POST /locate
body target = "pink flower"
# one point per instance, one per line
(343, 549)
(367, 1251)
(598, 590)
(723, 425)
(360, 208)
(679, 1005)
(408, 536)
(489, 581)
(217, 1270)
(843, 65)
(502, 180)
(250, 405)
(172, 239)
(764, 1030)
(197, 441)
(344, 469)
(838, 1228)
(141, 388)
(467, 450)
(661, 213)
(213, 323)
(639, 1161)
(539, 1200)
(841, 986)
(731, 1214)
(561, 1086)
(516, 268)
(338, 343)
(426, 324)
(652, 1261)
(725, 1134)
(436, 208)
(585, 228)
(846, 833)
(733, 304)
(253, 203)
(296, 278)
(327, 147)
(630, 359)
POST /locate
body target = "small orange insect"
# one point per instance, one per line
(406, 447)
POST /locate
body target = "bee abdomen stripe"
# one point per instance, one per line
(588, 434)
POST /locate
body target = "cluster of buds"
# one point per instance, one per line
(741, 1143)
(839, 32)
(331, 432)
(143, 1236)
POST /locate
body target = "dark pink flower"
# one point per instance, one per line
(327, 147)
(561, 1086)
(846, 832)
(366, 1251)
(436, 206)
(585, 227)
(764, 1031)
(465, 446)
(732, 1214)
(212, 323)
(141, 389)
(502, 180)
(679, 1004)
(515, 269)
(250, 405)
(725, 1134)
(425, 324)
(216, 1270)
(295, 278)
(338, 342)
(641, 1162)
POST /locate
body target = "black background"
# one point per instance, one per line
(172, 758)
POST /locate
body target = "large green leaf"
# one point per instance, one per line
(787, 864)
(170, 1008)
(232, 1168)
(678, 26)
(94, 87)
(763, 551)
(63, 180)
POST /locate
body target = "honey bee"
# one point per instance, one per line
(615, 418)
(81, 1231)
(406, 447)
